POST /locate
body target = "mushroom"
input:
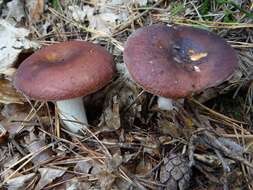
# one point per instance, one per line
(65, 72)
(175, 62)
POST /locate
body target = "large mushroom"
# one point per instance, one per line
(175, 62)
(65, 72)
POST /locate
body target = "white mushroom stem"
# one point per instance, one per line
(167, 103)
(72, 113)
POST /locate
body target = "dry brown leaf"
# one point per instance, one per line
(3, 134)
(106, 180)
(7, 161)
(78, 185)
(232, 145)
(35, 143)
(122, 2)
(211, 160)
(128, 156)
(110, 119)
(103, 22)
(48, 175)
(143, 167)
(14, 115)
(12, 124)
(151, 145)
(87, 166)
(19, 183)
(120, 183)
(13, 42)
(35, 8)
(8, 93)
(106, 14)
(169, 128)
(16, 10)
(114, 162)
(67, 179)
(79, 14)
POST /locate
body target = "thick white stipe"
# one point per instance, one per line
(70, 111)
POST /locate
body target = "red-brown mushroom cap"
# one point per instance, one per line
(177, 61)
(65, 70)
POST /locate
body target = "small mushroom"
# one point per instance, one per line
(175, 62)
(65, 72)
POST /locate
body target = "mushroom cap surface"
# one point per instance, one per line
(65, 70)
(177, 61)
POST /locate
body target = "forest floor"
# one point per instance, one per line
(130, 143)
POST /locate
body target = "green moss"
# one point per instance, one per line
(205, 7)
(177, 8)
(56, 5)
(235, 6)
(228, 16)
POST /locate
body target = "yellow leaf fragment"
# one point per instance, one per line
(196, 56)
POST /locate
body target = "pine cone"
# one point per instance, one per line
(175, 172)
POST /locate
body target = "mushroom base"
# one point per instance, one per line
(167, 103)
(72, 113)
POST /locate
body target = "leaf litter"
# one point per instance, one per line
(14, 41)
(130, 144)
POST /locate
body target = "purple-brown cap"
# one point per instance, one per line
(65, 70)
(177, 61)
